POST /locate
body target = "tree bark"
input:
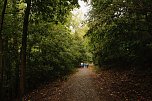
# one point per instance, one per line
(23, 50)
(15, 48)
(1, 45)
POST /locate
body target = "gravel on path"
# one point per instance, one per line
(80, 87)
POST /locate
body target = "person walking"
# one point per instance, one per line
(82, 65)
(87, 65)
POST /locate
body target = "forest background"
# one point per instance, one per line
(37, 44)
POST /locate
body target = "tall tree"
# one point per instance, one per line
(23, 49)
(120, 31)
(15, 46)
(1, 43)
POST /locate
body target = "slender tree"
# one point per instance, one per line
(15, 47)
(1, 43)
(23, 49)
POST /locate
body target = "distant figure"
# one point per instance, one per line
(87, 65)
(82, 64)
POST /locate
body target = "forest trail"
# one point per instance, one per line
(78, 87)
(106, 85)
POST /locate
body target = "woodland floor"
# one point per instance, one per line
(106, 85)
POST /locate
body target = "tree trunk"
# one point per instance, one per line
(1, 45)
(23, 50)
(15, 48)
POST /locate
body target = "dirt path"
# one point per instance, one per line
(78, 87)
(107, 85)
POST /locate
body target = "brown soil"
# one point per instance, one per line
(78, 87)
(126, 85)
(107, 85)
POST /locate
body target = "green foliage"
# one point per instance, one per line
(120, 32)
(52, 51)
(56, 11)
(51, 55)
